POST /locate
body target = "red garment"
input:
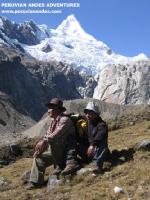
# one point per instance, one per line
(59, 127)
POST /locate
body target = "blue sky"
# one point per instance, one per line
(124, 25)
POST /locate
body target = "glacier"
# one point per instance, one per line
(72, 45)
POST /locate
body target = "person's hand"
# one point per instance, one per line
(36, 154)
(90, 151)
(40, 147)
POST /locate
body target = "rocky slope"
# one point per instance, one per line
(32, 83)
(12, 122)
(24, 33)
(124, 84)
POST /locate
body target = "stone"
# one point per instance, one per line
(2, 180)
(144, 145)
(118, 189)
(53, 181)
(15, 149)
(83, 171)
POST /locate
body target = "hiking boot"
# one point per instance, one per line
(70, 169)
(57, 171)
(32, 186)
(95, 168)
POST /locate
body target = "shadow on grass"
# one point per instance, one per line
(117, 157)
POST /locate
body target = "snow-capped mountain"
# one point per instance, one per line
(69, 43)
(119, 79)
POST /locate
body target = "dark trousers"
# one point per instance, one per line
(100, 154)
(64, 151)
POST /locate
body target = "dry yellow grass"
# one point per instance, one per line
(131, 171)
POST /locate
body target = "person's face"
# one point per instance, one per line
(53, 113)
(90, 115)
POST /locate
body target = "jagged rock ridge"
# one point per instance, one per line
(124, 84)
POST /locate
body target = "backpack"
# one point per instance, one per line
(80, 125)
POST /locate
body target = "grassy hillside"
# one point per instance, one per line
(129, 169)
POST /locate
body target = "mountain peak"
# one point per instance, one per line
(71, 26)
(71, 18)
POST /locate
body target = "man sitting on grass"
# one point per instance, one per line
(61, 138)
(96, 149)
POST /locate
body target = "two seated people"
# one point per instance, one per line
(90, 143)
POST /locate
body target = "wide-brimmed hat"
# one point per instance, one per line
(56, 103)
(91, 107)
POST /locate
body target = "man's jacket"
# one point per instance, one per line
(98, 133)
